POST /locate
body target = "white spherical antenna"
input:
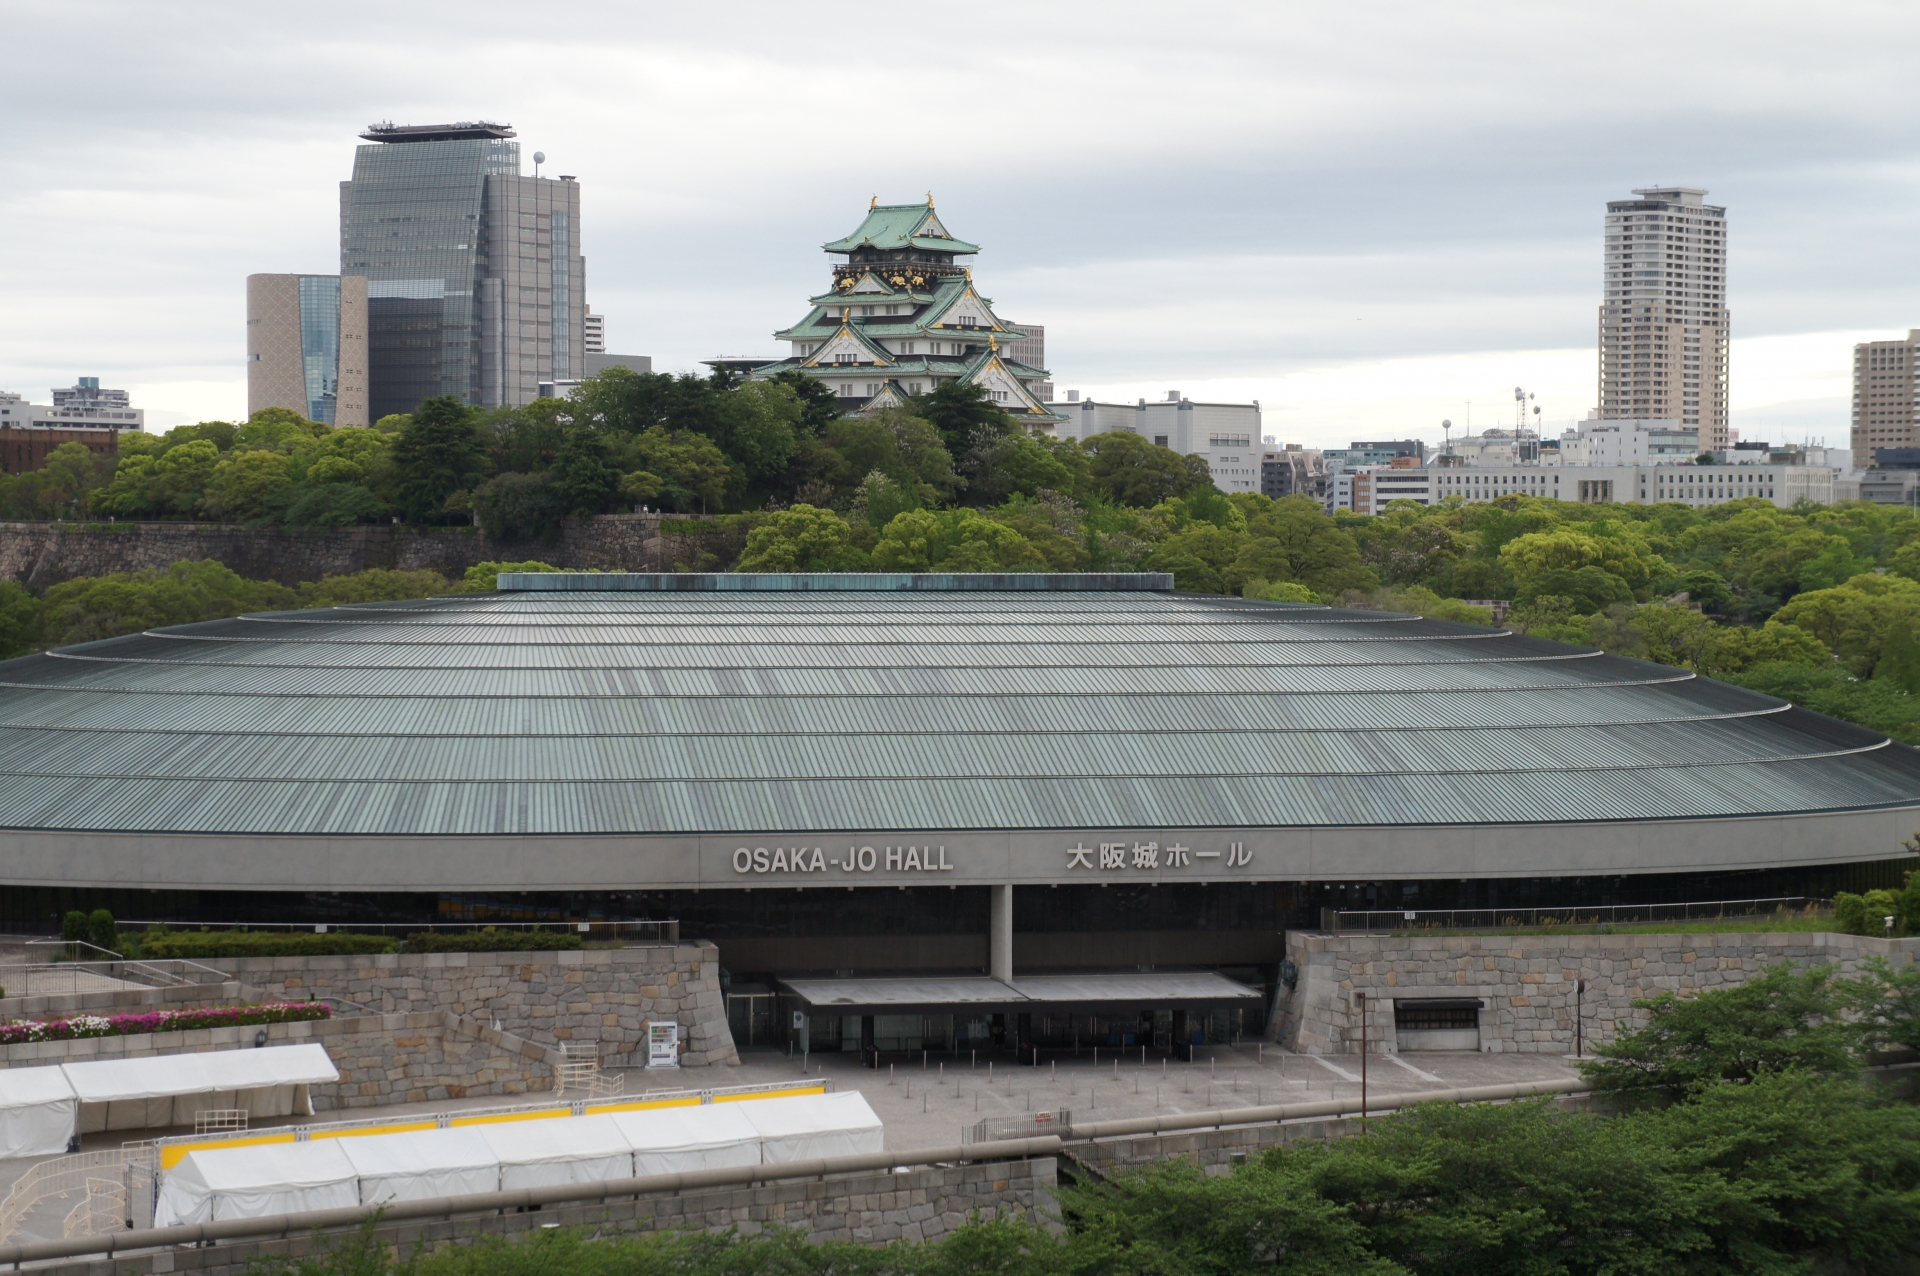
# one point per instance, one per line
(539, 157)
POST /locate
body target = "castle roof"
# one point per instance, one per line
(902, 226)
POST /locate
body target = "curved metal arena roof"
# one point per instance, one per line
(627, 731)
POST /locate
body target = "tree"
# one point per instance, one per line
(484, 578)
(375, 585)
(819, 405)
(963, 413)
(1128, 470)
(905, 448)
(95, 607)
(802, 539)
(67, 480)
(694, 472)
(1016, 462)
(1591, 588)
(325, 505)
(760, 430)
(240, 484)
(954, 540)
(1570, 549)
(1784, 1018)
(177, 482)
(1856, 619)
(584, 480)
(437, 454)
(1292, 539)
(518, 507)
(19, 620)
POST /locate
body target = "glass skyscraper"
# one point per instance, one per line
(475, 279)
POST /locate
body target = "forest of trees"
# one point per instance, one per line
(1819, 604)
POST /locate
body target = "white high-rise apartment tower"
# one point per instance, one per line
(1663, 324)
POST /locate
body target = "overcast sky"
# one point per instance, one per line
(1366, 216)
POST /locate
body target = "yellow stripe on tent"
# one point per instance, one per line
(542, 1115)
(355, 1131)
(640, 1105)
(171, 1154)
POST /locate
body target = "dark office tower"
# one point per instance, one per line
(475, 282)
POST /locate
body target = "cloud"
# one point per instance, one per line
(1366, 209)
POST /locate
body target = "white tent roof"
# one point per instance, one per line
(419, 1164)
(417, 1152)
(107, 1080)
(803, 1127)
(264, 1167)
(34, 1087)
(695, 1137)
(557, 1139)
(37, 1112)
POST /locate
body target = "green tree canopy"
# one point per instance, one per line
(438, 453)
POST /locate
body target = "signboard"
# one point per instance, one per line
(663, 1045)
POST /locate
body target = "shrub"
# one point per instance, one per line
(101, 931)
(163, 1021)
(489, 940)
(258, 943)
(73, 927)
(1865, 914)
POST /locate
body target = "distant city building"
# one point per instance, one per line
(1397, 447)
(1628, 441)
(1031, 349)
(307, 346)
(1886, 396)
(83, 405)
(1293, 471)
(81, 413)
(594, 331)
(902, 316)
(476, 282)
(1227, 434)
(1700, 486)
(1664, 319)
(1369, 489)
(596, 363)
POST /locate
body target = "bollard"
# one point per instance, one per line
(889, 1074)
(1053, 1070)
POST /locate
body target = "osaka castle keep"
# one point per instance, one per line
(903, 316)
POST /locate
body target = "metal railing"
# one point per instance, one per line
(1021, 1125)
(665, 931)
(54, 978)
(63, 1174)
(1392, 919)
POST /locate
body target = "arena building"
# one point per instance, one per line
(879, 777)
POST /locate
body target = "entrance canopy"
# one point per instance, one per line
(1110, 993)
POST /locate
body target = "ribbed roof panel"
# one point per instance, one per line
(710, 712)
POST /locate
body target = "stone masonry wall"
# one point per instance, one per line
(1527, 982)
(604, 995)
(41, 554)
(383, 1059)
(914, 1205)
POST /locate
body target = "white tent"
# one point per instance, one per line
(805, 1127)
(563, 1150)
(250, 1182)
(420, 1164)
(163, 1090)
(37, 1112)
(696, 1137)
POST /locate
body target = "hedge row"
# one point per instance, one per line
(200, 944)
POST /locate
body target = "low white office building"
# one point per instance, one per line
(1227, 434)
(1695, 485)
(83, 405)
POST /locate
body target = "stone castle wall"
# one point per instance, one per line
(1527, 982)
(604, 995)
(42, 554)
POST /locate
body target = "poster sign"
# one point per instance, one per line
(663, 1045)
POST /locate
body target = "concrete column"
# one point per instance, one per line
(1000, 933)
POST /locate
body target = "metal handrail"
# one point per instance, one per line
(575, 925)
(1374, 919)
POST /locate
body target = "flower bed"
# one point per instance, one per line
(162, 1021)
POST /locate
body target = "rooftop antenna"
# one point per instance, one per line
(539, 158)
(1446, 429)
